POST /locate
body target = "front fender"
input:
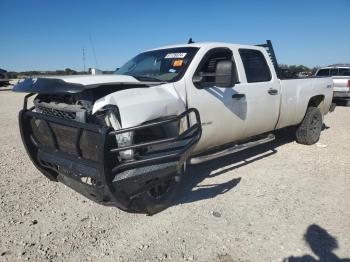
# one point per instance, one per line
(138, 105)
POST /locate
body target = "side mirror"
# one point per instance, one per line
(198, 79)
(225, 75)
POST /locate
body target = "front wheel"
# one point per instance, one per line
(159, 197)
(309, 131)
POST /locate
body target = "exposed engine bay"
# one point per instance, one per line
(76, 107)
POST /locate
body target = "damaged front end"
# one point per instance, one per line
(94, 155)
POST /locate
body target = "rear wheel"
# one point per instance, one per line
(309, 131)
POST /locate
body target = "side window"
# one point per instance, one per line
(334, 71)
(323, 72)
(255, 66)
(208, 64)
(344, 71)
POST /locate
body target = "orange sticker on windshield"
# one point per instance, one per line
(178, 63)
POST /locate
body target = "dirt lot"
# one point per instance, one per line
(275, 202)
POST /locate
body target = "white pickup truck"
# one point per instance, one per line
(125, 139)
(340, 74)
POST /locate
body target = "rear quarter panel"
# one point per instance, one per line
(296, 95)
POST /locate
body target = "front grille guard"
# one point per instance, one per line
(192, 134)
(105, 152)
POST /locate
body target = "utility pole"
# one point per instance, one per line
(84, 58)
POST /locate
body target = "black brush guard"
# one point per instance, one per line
(84, 156)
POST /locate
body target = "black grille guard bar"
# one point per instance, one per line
(192, 134)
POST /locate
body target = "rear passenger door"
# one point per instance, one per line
(261, 89)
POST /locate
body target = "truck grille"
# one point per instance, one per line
(60, 110)
(57, 113)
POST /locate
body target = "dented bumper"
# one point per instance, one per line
(84, 156)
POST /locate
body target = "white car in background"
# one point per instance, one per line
(340, 74)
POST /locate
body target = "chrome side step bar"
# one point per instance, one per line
(233, 149)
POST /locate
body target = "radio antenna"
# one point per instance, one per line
(190, 41)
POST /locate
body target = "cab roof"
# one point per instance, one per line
(336, 66)
(209, 45)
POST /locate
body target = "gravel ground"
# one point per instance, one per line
(281, 201)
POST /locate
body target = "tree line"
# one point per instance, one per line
(67, 71)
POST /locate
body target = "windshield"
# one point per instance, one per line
(164, 65)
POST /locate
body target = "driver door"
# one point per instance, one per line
(222, 109)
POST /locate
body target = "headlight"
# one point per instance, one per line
(123, 139)
(126, 139)
(182, 125)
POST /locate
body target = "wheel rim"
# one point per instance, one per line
(160, 190)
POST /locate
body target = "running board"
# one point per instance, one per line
(233, 149)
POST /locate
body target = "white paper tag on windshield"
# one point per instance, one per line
(175, 55)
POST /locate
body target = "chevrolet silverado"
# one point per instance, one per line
(125, 139)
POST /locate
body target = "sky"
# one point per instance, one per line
(51, 35)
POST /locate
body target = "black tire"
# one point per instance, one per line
(158, 198)
(309, 131)
(347, 102)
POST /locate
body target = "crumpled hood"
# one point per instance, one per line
(138, 105)
(88, 80)
(75, 83)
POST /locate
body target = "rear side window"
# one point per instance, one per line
(323, 72)
(344, 72)
(255, 66)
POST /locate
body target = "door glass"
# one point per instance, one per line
(334, 71)
(323, 72)
(208, 64)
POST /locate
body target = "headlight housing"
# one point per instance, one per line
(123, 139)
(126, 139)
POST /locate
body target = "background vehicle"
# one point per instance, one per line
(125, 139)
(3, 78)
(340, 74)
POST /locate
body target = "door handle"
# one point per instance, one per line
(272, 91)
(238, 96)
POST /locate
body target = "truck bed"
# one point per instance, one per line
(294, 104)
